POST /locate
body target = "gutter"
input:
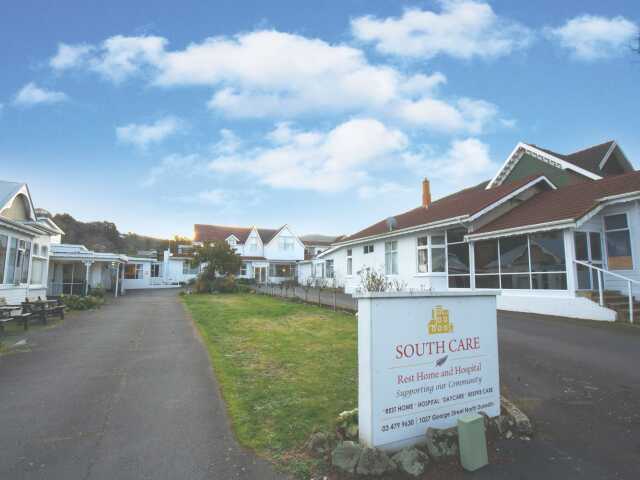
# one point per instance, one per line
(554, 225)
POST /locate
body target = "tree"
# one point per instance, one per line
(220, 259)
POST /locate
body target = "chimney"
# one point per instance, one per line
(426, 193)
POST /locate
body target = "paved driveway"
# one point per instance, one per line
(580, 382)
(124, 392)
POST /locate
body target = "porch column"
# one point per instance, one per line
(87, 266)
(115, 292)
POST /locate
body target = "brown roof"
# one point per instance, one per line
(212, 233)
(567, 203)
(462, 203)
(252, 258)
(587, 159)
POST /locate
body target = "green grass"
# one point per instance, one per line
(286, 369)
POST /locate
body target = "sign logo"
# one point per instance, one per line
(440, 321)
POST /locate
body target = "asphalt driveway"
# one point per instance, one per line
(580, 383)
(124, 392)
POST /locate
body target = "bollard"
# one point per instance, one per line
(473, 442)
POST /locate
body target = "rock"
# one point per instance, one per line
(351, 432)
(345, 456)
(374, 462)
(522, 423)
(504, 424)
(319, 444)
(411, 461)
(442, 444)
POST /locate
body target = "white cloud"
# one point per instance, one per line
(384, 189)
(142, 135)
(590, 37)
(31, 95)
(327, 161)
(268, 73)
(465, 162)
(463, 29)
(70, 56)
(173, 165)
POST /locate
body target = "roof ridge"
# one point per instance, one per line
(589, 148)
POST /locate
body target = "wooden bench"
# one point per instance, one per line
(43, 309)
(13, 313)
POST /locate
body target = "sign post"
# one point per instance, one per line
(424, 359)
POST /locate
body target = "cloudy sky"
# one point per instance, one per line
(323, 115)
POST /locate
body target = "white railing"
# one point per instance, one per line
(600, 272)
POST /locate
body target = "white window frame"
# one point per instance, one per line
(628, 229)
(368, 249)
(391, 250)
(349, 262)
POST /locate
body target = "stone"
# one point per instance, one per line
(522, 423)
(345, 456)
(442, 443)
(411, 461)
(351, 432)
(319, 444)
(374, 462)
(504, 424)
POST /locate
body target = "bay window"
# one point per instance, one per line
(618, 242)
(4, 243)
(391, 257)
(458, 259)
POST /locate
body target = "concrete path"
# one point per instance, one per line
(124, 392)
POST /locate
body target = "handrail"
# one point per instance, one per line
(600, 271)
(609, 272)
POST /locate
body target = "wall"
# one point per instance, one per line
(529, 165)
(272, 249)
(16, 295)
(144, 282)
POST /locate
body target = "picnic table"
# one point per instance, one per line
(8, 314)
(43, 308)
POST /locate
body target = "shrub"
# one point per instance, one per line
(227, 284)
(246, 281)
(77, 302)
(97, 292)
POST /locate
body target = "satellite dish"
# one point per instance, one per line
(391, 223)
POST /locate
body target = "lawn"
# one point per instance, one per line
(286, 369)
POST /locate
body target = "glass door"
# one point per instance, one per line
(588, 249)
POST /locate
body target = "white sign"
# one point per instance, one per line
(424, 359)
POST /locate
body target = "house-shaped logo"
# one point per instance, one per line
(440, 321)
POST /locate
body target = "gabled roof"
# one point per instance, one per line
(569, 203)
(213, 233)
(588, 158)
(460, 205)
(8, 190)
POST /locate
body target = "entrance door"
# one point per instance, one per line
(589, 250)
(260, 274)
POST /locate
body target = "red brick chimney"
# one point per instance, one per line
(426, 193)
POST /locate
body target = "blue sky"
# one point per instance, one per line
(322, 115)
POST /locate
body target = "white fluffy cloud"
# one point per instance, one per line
(465, 162)
(324, 161)
(590, 37)
(142, 135)
(462, 29)
(268, 73)
(31, 95)
(70, 56)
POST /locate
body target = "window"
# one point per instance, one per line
(458, 259)
(37, 271)
(329, 268)
(514, 263)
(243, 269)
(618, 242)
(438, 257)
(283, 270)
(286, 243)
(253, 244)
(487, 264)
(4, 242)
(43, 251)
(185, 268)
(155, 270)
(349, 262)
(423, 254)
(11, 261)
(368, 249)
(232, 241)
(36, 250)
(133, 271)
(391, 257)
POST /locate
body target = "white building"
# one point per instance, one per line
(538, 232)
(24, 245)
(268, 255)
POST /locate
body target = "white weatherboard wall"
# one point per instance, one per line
(410, 379)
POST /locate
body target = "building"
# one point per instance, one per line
(76, 270)
(268, 255)
(537, 232)
(25, 240)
